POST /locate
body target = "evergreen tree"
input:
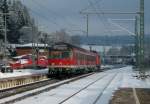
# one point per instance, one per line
(17, 19)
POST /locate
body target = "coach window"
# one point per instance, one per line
(55, 55)
(81, 56)
(65, 54)
(78, 56)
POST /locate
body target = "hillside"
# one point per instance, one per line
(110, 40)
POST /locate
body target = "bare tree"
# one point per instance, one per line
(61, 36)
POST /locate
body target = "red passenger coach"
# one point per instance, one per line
(65, 58)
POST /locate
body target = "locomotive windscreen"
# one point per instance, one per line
(59, 54)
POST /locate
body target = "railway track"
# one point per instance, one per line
(81, 89)
(100, 94)
(47, 85)
(89, 86)
(107, 85)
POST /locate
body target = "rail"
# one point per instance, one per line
(41, 90)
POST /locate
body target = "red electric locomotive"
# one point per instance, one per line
(65, 58)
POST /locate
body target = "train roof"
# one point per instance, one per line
(64, 46)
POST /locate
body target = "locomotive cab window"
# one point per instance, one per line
(65, 54)
(60, 55)
(55, 55)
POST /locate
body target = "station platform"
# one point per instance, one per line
(22, 77)
(23, 72)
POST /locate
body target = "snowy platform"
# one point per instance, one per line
(95, 89)
(23, 72)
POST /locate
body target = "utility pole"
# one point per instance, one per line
(136, 42)
(33, 46)
(5, 33)
(87, 29)
(1, 22)
(87, 23)
(141, 40)
(1, 30)
(5, 37)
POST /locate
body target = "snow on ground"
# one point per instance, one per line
(122, 77)
(107, 66)
(23, 72)
(129, 80)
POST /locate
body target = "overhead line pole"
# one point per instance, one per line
(5, 30)
(87, 17)
(141, 42)
(136, 42)
(5, 37)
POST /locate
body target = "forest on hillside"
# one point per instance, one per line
(17, 19)
(21, 26)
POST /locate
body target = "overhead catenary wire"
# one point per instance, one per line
(46, 19)
(43, 17)
(86, 8)
(117, 25)
(122, 13)
(107, 30)
(42, 6)
(52, 12)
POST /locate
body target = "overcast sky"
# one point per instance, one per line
(52, 15)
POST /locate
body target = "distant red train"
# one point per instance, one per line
(26, 61)
(65, 58)
(25, 56)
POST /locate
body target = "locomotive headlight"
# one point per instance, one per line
(60, 63)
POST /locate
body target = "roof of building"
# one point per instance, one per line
(30, 45)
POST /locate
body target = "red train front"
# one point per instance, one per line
(26, 61)
(65, 58)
